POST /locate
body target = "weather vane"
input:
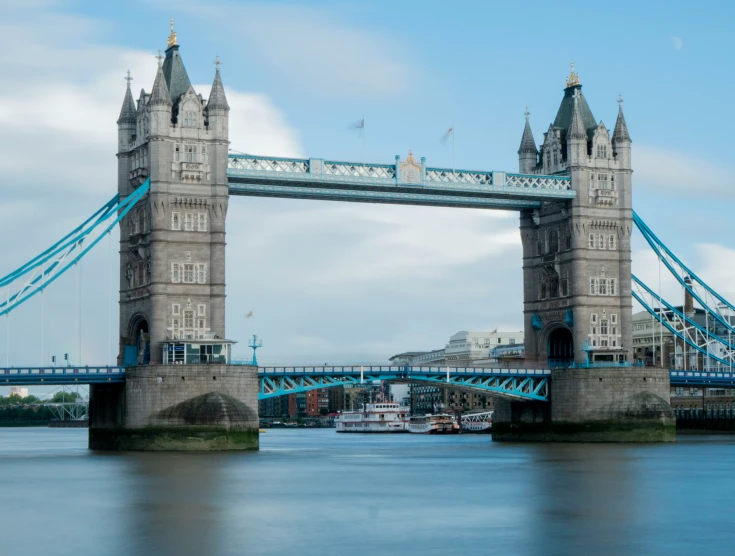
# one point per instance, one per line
(217, 62)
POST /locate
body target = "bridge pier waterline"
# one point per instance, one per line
(177, 408)
(606, 404)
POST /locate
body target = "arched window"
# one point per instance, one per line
(552, 239)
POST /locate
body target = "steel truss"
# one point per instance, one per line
(695, 336)
(517, 384)
(385, 183)
(716, 306)
(37, 274)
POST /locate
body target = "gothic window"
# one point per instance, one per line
(175, 273)
(612, 182)
(189, 318)
(601, 241)
(190, 153)
(553, 241)
(602, 181)
(204, 151)
(190, 119)
(202, 274)
(603, 327)
(564, 287)
(602, 287)
(202, 222)
(601, 151)
(175, 220)
(593, 318)
(201, 310)
(548, 159)
(556, 160)
(175, 326)
(554, 287)
(614, 319)
(593, 286)
(189, 222)
(201, 325)
(543, 290)
(177, 155)
(176, 309)
(188, 273)
(613, 286)
(593, 241)
(611, 241)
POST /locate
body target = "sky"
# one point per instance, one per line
(343, 283)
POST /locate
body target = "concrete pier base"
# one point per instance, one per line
(610, 404)
(177, 407)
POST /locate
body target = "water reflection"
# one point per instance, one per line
(315, 492)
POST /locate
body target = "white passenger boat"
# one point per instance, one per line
(374, 417)
(433, 424)
(477, 422)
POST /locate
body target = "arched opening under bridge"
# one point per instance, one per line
(561, 347)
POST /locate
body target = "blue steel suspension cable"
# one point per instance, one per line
(122, 209)
(681, 315)
(68, 240)
(655, 243)
(676, 332)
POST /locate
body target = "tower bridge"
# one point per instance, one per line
(174, 385)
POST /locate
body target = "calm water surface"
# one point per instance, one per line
(314, 492)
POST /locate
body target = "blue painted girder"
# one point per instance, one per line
(36, 376)
(517, 384)
(702, 379)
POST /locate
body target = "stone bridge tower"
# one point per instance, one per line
(576, 255)
(172, 244)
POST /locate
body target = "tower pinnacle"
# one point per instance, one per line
(620, 134)
(576, 127)
(573, 79)
(172, 37)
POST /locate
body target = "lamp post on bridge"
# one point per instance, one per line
(255, 344)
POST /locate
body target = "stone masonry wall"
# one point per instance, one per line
(154, 388)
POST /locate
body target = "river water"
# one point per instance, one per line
(315, 492)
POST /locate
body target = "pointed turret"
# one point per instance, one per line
(160, 95)
(527, 152)
(576, 136)
(576, 128)
(127, 113)
(621, 128)
(217, 98)
(621, 138)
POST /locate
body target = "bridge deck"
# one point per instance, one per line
(527, 384)
(391, 183)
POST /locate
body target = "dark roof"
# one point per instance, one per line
(174, 71)
(528, 145)
(127, 113)
(217, 98)
(621, 128)
(564, 115)
(408, 354)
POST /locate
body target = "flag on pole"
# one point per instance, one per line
(360, 124)
(449, 133)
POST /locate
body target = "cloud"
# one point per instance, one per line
(310, 47)
(677, 43)
(678, 173)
